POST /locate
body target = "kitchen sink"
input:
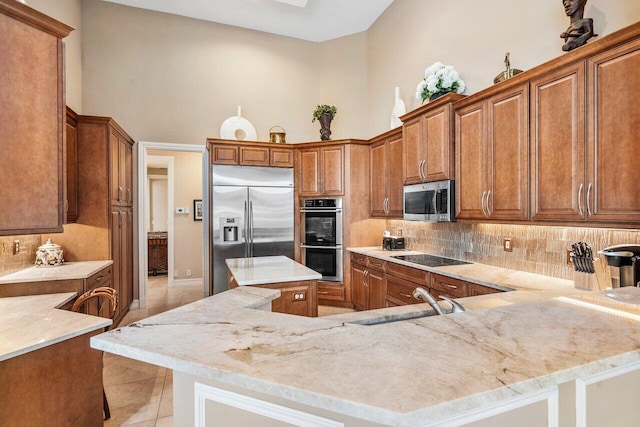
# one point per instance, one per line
(391, 318)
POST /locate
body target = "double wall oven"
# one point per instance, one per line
(322, 241)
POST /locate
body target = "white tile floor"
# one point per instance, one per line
(140, 394)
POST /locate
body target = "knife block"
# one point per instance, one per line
(592, 281)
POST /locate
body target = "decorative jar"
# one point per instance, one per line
(49, 255)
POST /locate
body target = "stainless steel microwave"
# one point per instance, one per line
(430, 201)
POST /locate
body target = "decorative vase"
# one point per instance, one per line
(437, 95)
(398, 110)
(325, 126)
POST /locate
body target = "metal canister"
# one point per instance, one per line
(277, 137)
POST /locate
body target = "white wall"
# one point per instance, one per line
(473, 36)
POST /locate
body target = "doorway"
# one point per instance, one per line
(186, 185)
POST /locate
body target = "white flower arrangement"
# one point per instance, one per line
(439, 78)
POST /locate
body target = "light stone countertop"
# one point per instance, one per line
(271, 269)
(66, 271)
(494, 277)
(401, 373)
(32, 322)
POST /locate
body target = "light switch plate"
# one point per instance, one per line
(507, 245)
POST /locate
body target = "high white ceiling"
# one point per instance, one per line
(313, 20)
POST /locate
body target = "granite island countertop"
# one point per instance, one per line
(269, 269)
(401, 373)
(28, 323)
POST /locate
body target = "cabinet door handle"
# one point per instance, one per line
(129, 198)
(488, 209)
(580, 211)
(421, 169)
(119, 193)
(589, 199)
(323, 292)
(99, 279)
(484, 193)
(405, 295)
(451, 286)
(120, 219)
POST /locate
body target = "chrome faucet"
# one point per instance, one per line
(420, 293)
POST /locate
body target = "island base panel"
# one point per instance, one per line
(57, 385)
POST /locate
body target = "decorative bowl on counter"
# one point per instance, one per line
(49, 255)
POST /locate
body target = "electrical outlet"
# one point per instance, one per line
(507, 245)
(16, 247)
(399, 232)
(188, 272)
(299, 296)
(569, 259)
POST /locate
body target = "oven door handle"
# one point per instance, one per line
(320, 210)
(302, 245)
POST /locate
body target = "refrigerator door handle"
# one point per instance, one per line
(250, 229)
(246, 230)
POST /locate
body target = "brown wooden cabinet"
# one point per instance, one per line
(299, 298)
(474, 289)
(321, 171)
(386, 175)
(401, 281)
(558, 145)
(428, 141)
(447, 286)
(492, 170)
(71, 162)
(104, 228)
(613, 135)
(33, 125)
(367, 282)
(121, 227)
(227, 152)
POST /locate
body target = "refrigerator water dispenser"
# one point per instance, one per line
(229, 227)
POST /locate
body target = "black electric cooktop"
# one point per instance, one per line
(430, 260)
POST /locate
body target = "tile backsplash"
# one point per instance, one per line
(25, 258)
(536, 249)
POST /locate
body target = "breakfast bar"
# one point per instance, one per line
(537, 363)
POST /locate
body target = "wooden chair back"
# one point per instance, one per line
(101, 301)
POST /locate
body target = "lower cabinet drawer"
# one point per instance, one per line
(331, 292)
(413, 274)
(101, 278)
(448, 286)
(399, 292)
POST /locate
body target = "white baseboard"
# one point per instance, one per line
(187, 282)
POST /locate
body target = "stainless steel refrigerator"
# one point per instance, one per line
(252, 215)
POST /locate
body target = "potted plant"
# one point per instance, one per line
(324, 114)
(439, 79)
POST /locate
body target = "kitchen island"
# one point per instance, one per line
(298, 285)
(565, 361)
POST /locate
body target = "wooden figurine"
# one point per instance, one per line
(581, 29)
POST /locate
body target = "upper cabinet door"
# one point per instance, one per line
(508, 155)
(438, 144)
(33, 121)
(412, 134)
(613, 193)
(395, 185)
(558, 186)
(379, 180)
(332, 179)
(309, 171)
(116, 188)
(471, 191)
